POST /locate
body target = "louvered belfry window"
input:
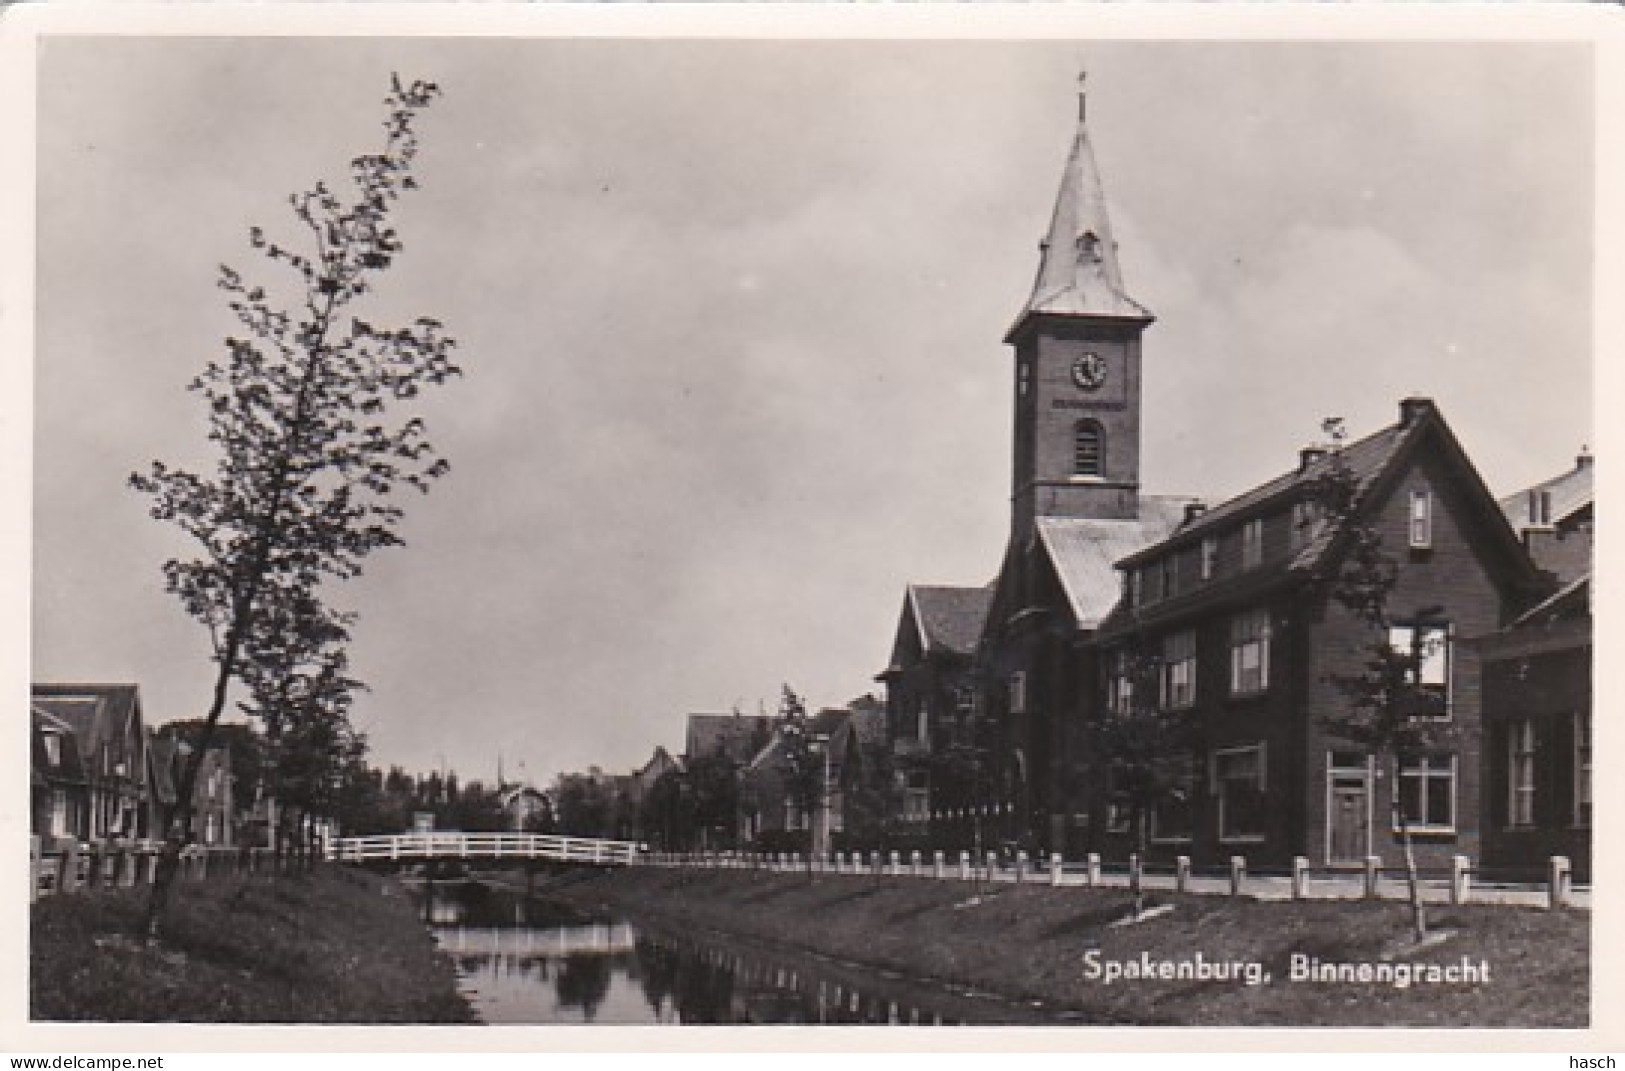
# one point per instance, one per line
(1089, 450)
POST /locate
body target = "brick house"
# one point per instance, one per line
(1555, 519)
(930, 691)
(848, 743)
(1235, 612)
(105, 722)
(215, 816)
(1537, 695)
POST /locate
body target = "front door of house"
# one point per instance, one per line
(1350, 819)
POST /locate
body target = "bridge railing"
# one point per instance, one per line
(455, 845)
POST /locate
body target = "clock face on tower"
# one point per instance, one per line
(1089, 371)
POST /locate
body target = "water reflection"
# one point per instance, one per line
(538, 962)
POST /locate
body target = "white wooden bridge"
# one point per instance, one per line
(446, 845)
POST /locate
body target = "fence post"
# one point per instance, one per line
(992, 864)
(964, 866)
(1093, 875)
(936, 865)
(1373, 875)
(1182, 873)
(69, 879)
(1136, 871)
(1021, 867)
(914, 864)
(1055, 868)
(896, 864)
(1300, 877)
(1238, 874)
(1460, 879)
(1557, 892)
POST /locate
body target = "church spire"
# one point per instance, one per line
(1078, 273)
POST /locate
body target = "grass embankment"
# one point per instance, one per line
(322, 947)
(1030, 943)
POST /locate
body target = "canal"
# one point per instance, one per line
(534, 960)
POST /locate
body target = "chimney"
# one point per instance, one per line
(1194, 510)
(1309, 455)
(1413, 408)
(1584, 460)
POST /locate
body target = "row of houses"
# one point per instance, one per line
(735, 773)
(1229, 598)
(99, 773)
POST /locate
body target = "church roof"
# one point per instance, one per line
(1085, 552)
(1078, 272)
(950, 618)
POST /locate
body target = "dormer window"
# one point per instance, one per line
(1088, 449)
(53, 749)
(1540, 507)
(1210, 557)
(1252, 544)
(1089, 248)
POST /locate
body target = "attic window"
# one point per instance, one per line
(53, 748)
(1421, 520)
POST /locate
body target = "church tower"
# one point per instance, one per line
(1077, 375)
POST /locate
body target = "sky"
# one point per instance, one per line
(730, 313)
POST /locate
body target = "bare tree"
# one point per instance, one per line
(299, 411)
(1392, 710)
(1140, 747)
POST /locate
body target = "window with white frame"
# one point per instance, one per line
(59, 812)
(1582, 770)
(1421, 519)
(1178, 671)
(1427, 793)
(1521, 772)
(1238, 785)
(1210, 557)
(53, 748)
(1120, 683)
(1429, 644)
(1170, 576)
(1252, 544)
(1018, 692)
(917, 796)
(922, 723)
(1250, 652)
(1131, 582)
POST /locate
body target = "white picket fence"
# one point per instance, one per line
(1301, 882)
